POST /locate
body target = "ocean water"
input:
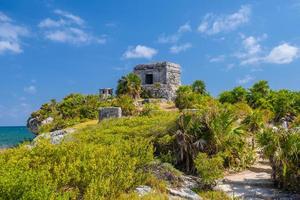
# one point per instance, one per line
(14, 135)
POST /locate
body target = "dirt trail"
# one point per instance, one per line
(254, 183)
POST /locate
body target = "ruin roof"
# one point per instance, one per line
(156, 65)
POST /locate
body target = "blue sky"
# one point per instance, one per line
(51, 48)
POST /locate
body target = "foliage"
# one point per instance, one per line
(148, 108)
(186, 98)
(73, 109)
(102, 161)
(282, 103)
(199, 87)
(209, 169)
(215, 195)
(129, 85)
(238, 94)
(213, 130)
(283, 149)
(126, 103)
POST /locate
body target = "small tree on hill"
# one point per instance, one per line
(199, 87)
(129, 85)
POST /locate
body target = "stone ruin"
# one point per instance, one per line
(105, 93)
(109, 112)
(160, 79)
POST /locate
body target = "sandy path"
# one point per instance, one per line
(254, 183)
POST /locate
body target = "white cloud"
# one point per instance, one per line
(73, 18)
(251, 50)
(254, 53)
(282, 54)
(10, 35)
(185, 28)
(140, 51)
(213, 24)
(30, 89)
(68, 28)
(245, 79)
(179, 48)
(219, 58)
(165, 39)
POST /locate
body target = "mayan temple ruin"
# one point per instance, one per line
(160, 79)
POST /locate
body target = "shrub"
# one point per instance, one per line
(98, 162)
(127, 105)
(283, 150)
(209, 169)
(73, 109)
(148, 108)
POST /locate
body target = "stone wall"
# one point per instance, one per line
(110, 112)
(166, 78)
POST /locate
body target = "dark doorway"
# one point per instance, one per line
(149, 79)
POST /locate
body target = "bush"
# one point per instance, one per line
(186, 98)
(127, 105)
(73, 109)
(98, 162)
(148, 108)
(209, 169)
(283, 150)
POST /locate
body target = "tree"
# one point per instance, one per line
(238, 94)
(129, 85)
(199, 87)
(258, 95)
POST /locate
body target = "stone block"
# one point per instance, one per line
(109, 112)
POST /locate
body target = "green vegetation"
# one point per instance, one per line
(129, 85)
(108, 160)
(73, 109)
(282, 147)
(210, 169)
(99, 162)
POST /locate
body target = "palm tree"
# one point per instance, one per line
(129, 85)
(199, 87)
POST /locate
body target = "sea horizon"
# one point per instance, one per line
(11, 136)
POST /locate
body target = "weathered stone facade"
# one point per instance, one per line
(105, 93)
(110, 112)
(160, 79)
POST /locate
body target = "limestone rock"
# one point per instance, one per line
(33, 125)
(48, 120)
(110, 112)
(55, 137)
(183, 193)
(143, 190)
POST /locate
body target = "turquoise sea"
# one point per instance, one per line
(14, 135)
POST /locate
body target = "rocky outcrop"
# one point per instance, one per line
(54, 137)
(33, 123)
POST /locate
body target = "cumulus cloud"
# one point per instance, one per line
(282, 54)
(68, 28)
(140, 51)
(173, 38)
(248, 78)
(179, 48)
(10, 35)
(30, 89)
(214, 24)
(253, 52)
